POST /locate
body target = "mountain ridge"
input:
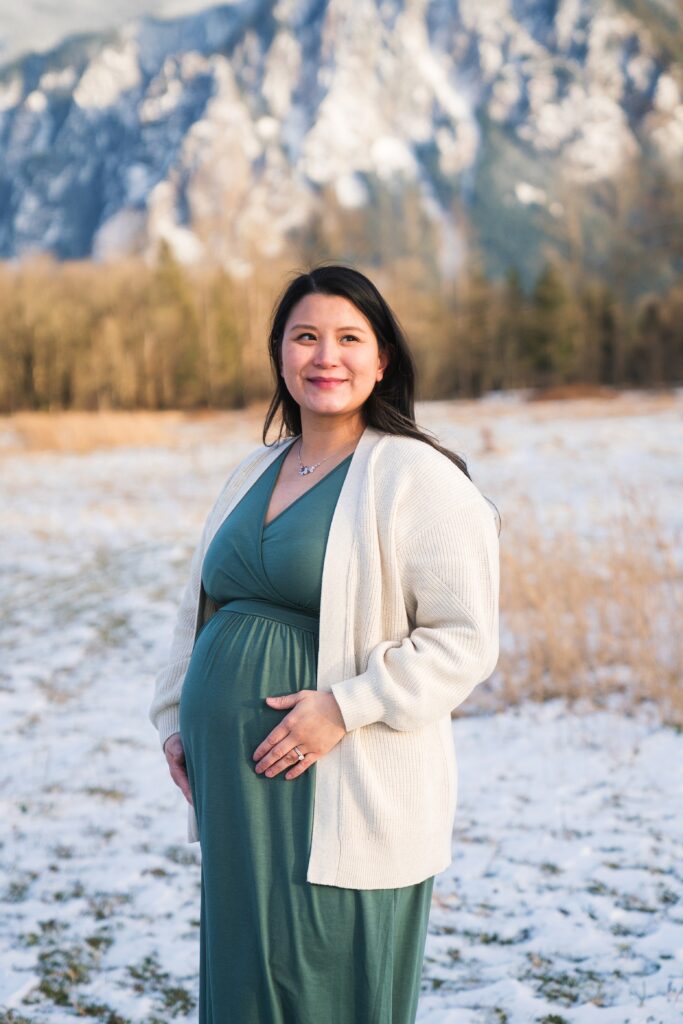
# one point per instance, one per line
(226, 131)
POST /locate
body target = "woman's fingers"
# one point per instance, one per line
(179, 776)
(175, 756)
(173, 745)
(301, 766)
(288, 764)
(279, 754)
(315, 724)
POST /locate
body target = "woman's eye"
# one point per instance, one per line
(307, 334)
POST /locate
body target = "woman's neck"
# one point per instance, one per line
(319, 442)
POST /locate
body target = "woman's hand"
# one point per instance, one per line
(175, 755)
(315, 725)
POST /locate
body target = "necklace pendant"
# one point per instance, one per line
(304, 470)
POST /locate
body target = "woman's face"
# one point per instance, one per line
(329, 358)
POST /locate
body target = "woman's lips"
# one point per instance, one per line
(322, 382)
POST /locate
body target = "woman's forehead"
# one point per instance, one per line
(315, 310)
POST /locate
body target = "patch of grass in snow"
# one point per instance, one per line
(23, 728)
(107, 794)
(103, 904)
(99, 832)
(59, 688)
(112, 630)
(563, 986)
(63, 851)
(148, 977)
(180, 855)
(101, 1012)
(74, 893)
(444, 929)
(548, 868)
(49, 927)
(493, 938)
(62, 965)
(17, 888)
(667, 896)
(632, 902)
(598, 888)
(156, 872)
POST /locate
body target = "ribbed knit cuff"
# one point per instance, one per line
(168, 722)
(358, 702)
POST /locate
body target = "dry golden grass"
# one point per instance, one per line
(81, 431)
(574, 402)
(86, 431)
(587, 619)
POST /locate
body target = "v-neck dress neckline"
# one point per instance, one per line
(278, 464)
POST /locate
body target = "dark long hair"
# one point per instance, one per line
(390, 405)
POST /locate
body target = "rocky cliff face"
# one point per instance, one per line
(226, 130)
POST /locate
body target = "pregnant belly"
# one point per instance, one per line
(239, 660)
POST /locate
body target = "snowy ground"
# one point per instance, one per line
(564, 902)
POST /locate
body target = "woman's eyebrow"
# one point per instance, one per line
(350, 328)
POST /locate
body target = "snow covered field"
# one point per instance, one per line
(564, 902)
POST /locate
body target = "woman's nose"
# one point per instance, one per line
(326, 351)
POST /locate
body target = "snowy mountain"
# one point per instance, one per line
(226, 130)
(37, 25)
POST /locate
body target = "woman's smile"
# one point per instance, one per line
(330, 361)
(325, 382)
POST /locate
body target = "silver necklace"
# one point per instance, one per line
(303, 470)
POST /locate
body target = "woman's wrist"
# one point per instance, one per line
(340, 717)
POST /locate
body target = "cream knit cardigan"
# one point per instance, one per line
(408, 627)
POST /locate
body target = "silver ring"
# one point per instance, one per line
(300, 755)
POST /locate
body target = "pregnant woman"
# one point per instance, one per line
(341, 602)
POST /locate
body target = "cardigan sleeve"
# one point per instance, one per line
(164, 708)
(451, 576)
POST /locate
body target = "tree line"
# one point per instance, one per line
(128, 335)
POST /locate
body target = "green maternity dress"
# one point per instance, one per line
(275, 948)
